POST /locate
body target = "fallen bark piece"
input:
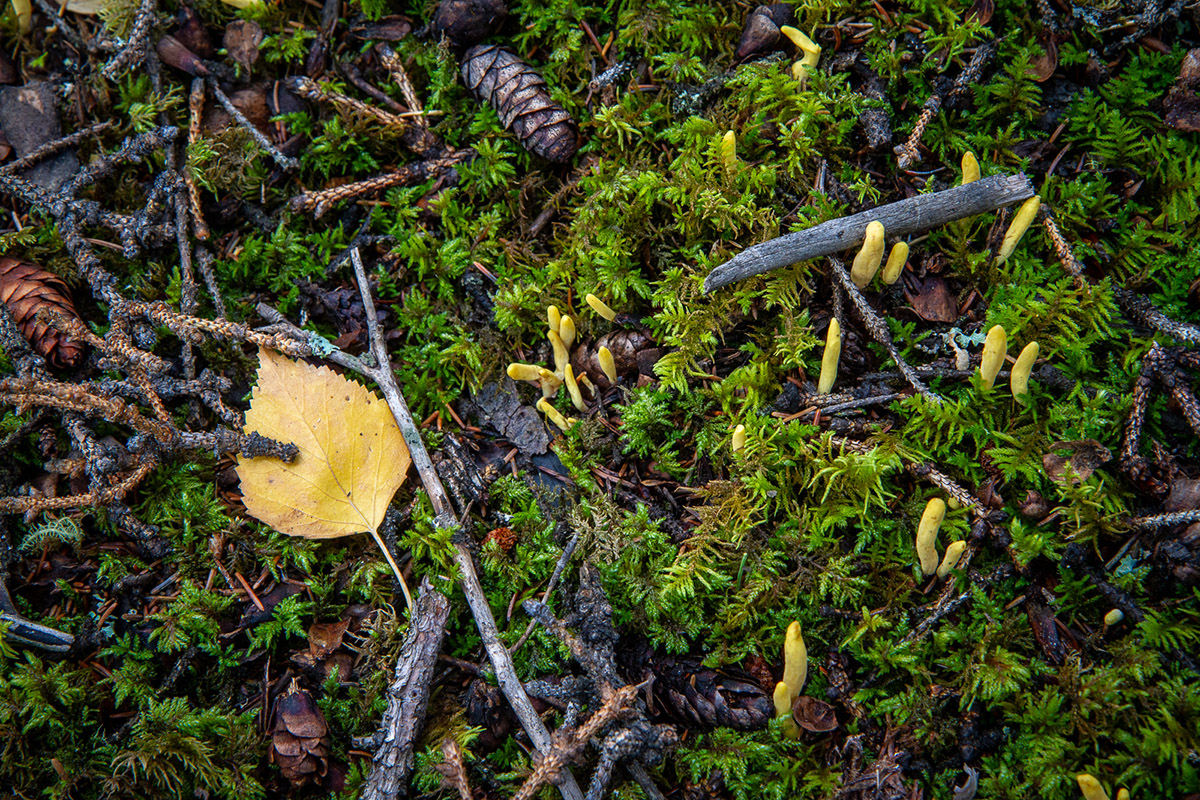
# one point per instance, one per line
(902, 218)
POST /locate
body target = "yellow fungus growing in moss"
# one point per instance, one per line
(1019, 378)
(607, 364)
(867, 262)
(1091, 788)
(524, 372)
(931, 520)
(1016, 229)
(739, 438)
(566, 331)
(600, 307)
(553, 414)
(783, 709)
(895, 263)
(829, 360)
(970, 168)
(995, 348)
(553, 317)
(795, 660)
(800, 72)
(801, 40)
(586, 383)
(549, 382)
(1122, 794)
(561, 356)
(954, 552)
(1113, 617)
(728, 150)
(573, 388)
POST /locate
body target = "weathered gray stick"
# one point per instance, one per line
(915, 214)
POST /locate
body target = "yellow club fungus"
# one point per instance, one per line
(1091, 788)
(1019, 378)
(995, 348)
(600, 307)
(795, 660)
(954, 552)
(553, 317)
(867, 262)
(970, 168)
(783, 709)
(1122, 794)
(1016, 229)
(607, 364)
(553, 414)
(566, 331)
(573, 388)
(1113, 617)
(561, 357)
(829, 360)
(931, 520)
(895, 263)
(524, 372)
(739, 438)
(801, 40)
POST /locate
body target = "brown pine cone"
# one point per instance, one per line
(24, 288)
(682, 689)
(496, 76)
(301, 741)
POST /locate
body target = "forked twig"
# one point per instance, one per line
(380, 371)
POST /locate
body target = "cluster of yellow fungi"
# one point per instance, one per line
(561, 334)
(795, 673)
(995, 351)
(927, 531)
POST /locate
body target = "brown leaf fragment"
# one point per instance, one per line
(814, 715)
(981, 11)
(1043, 65)
(932, 300)
(388, 29)
(1045, 630)
(468, 22)
(1185, 495)
(325, 637)
(1086, 455)
(242, 40)
(26, 289)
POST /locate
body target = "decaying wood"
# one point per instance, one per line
(408, 696)
(920, 213)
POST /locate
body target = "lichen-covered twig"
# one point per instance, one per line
(287, 163)
(877, 327)
(58, 145)
(901, 218)
(320, 201)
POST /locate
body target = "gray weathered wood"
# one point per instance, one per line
(407, 697)
(915, 214)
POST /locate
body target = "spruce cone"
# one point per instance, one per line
(682, 689)
(301, 741)
(24, 288)
(518, 93)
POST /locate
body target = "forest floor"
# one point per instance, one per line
(705, 509)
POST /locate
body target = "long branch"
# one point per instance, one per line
(915, 214)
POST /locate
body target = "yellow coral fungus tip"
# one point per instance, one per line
(600, 307)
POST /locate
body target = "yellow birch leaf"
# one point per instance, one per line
(352, 457)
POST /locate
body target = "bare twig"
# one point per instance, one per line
(50, 148)
(901, 218)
